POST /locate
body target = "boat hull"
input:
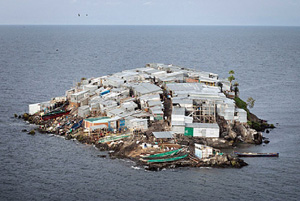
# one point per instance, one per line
(257, 154)
(52, 116)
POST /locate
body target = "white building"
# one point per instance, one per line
(202, 130)
(84, 111)
(202, 151)
(138, 124)
(241, 115)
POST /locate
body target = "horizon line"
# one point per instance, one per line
(227, 25)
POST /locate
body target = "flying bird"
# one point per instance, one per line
(78, 14)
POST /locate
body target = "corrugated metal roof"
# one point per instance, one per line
(195, 87)
(141, 114)
(138, 120)
(146, 88)
(152, 103)
(98, 119)
(164, 134)
(178, 111)
(240, 110)
(116, 111)
(98, 127)
(178, 123)
(79, 93)
(150, 97)
(156, 111)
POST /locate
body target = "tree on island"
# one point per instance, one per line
(231, 78)
(236, 89)
(250, 102)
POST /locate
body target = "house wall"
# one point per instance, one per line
(88, 124)
(191, 80)
(206, 132)
(201, 132)
(83, 111)
(34, 108)
(178, 129)
(143, 125)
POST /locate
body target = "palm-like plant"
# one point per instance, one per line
(231, 78)
(250, 102)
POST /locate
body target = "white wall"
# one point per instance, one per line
(34, 108)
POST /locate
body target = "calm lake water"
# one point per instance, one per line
(41, 62)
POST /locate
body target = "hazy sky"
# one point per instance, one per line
(151, 12)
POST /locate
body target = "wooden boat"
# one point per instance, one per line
(245, 154)
(164, 154)
(113, 138)
(54, 114)
(163, 160)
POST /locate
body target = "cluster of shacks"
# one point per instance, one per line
(133, 99)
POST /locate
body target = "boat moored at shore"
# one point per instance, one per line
(246, 154)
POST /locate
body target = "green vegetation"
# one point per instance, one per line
(241, 104)
(250, 102)
(257, 125)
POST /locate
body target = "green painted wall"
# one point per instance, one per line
(189, 131)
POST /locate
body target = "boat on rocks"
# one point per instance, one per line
(54, 114)
(114, 138)
(164, 154)
(246, 154)
(165, 157)
(163, 160)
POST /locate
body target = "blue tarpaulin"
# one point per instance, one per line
(104, 92)
(77, 125)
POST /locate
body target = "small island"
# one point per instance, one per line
(160, 116)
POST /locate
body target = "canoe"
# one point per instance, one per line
(162, 160)
(164, 154)
(245, 154)
(52, 115)
(113, 138)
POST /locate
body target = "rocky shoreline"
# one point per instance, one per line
(130, 148)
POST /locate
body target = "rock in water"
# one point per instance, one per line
(25, 116)
(68, 137)
(32, 132)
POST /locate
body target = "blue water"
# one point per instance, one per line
(41, 62)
